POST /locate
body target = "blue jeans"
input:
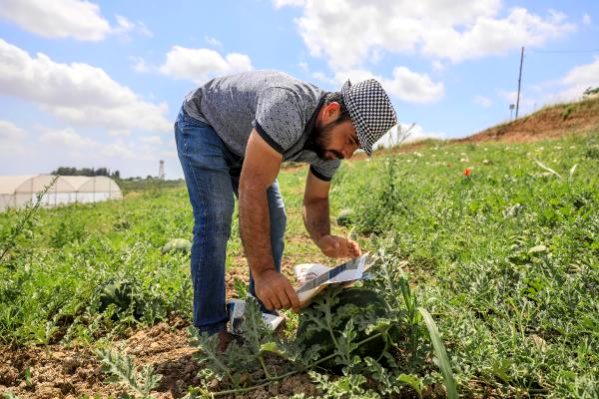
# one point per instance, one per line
(212, 175)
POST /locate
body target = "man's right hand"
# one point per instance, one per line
(275, 291)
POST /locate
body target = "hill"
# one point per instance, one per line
(550, 122)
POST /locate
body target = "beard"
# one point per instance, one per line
(320, 141)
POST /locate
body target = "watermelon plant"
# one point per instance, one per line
(177, 244)
(355, 333)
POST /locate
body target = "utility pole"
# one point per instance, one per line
(519, 82)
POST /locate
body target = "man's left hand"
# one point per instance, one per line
(339, 247)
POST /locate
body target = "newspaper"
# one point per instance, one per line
(312, 278)
(236, 310)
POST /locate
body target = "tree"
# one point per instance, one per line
(590, 92)
(70, 171)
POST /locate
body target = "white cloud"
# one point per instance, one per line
(68, 138)
(304, 66)
(121, 150)
(570, 87)
(416, 133)
(49, 148)
(438, 66)
(483, 101)
(76, 19)
(283, 3)
(139, 64)
(212, 41)
(67, 143)
(10, 131)
(12, 138)
(77, 93)
(528, 103)
(348, 33)
(577, 80)
(325, 79)
(586, 19)
(154, 140)
(199, 65)
(490, 36)
(405, 84)
(413, 87)
(124, 25)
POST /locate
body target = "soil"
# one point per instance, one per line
(548, 123)
(56, 371)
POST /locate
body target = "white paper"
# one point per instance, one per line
(236, 309)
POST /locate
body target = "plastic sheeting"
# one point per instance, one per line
(18, 191)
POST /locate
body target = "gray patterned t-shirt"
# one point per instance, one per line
(281, 108)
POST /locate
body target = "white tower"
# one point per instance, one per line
(161, 170)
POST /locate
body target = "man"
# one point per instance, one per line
(232, 135)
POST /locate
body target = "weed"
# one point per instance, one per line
(568, 111)
(24, 220)
(121, 369)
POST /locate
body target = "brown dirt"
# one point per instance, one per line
(548, 123)
(70, 372)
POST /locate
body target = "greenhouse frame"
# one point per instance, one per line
(18, 191)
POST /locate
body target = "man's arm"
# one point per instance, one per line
(260, 168)
(318, 224)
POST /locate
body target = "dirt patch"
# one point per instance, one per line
(51, 372)
(56, 371)
(549, 123)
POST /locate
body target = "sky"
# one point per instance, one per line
(99, 83)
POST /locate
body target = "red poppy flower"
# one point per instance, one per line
(467, 172)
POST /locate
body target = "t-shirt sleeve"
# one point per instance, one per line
(279, 118)
(325, 170)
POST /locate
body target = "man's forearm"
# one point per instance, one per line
(254, 223)
(316, 218)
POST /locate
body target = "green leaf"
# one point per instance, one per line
(537, 250)
(440, 353)
(548, 169)
(572, 170)
(271, 347)
(413, 381)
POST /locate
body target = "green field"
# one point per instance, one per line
(506, 260)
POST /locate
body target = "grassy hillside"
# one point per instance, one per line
(549, 122)
(500, 242)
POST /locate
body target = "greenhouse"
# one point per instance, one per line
(18, 191)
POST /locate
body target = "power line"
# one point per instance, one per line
(564, 51)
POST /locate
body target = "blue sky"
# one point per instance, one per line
(94, 83)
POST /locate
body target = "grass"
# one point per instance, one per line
(506, 260)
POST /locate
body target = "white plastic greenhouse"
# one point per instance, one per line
(18, 191)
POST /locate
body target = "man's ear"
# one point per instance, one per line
(332, 111)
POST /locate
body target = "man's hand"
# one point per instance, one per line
(339, 247)
(275, 291)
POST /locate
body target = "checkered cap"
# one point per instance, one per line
(370, 110)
